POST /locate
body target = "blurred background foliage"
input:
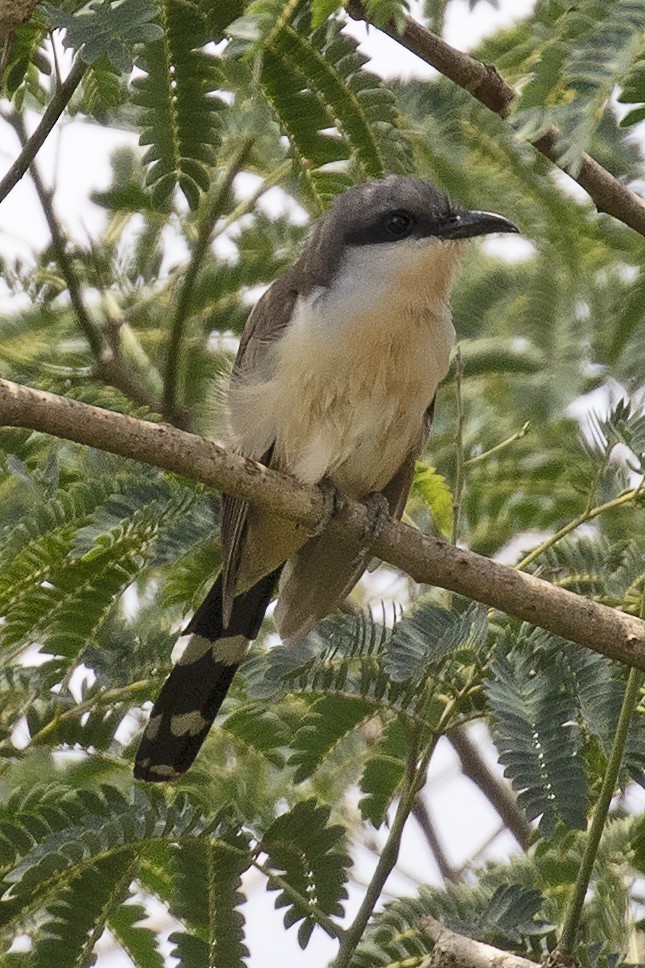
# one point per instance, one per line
(536, 456)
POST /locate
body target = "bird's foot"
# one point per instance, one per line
(333, 505)
(378, 515)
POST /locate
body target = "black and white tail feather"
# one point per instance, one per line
(195, 689)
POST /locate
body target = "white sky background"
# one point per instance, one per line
(76, 160)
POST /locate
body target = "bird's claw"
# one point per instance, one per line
(378, 515)
(333, 504)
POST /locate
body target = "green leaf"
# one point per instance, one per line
(102, 27)
(207, 895)
(77, 917)
(331, 718)
(139, 942)
(179, 96)
(308, 857)
(261, 730)
(384, 771)
(422, 640)
(330, 108)
(435, 493)
(538, 739)
(592, 47)
(26, 60)
(382, 11)
(321, 9)
(504, 915)
(633, 89)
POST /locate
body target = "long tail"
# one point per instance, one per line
(195, 689)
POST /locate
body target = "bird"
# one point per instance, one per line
(334, 383)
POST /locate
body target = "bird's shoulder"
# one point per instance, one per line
(268, 320)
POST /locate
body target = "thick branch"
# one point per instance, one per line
(426, 559)
(53, 112)
(453, 950)
(486, 85)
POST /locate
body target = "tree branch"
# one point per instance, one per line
(484, 83)
(421, 814)
(52, 113)
(453, 950)
(426, 559)
(498, 793)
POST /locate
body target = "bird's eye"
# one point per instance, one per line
(399, 224)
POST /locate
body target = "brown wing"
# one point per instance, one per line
(397, 490)
(267, 322)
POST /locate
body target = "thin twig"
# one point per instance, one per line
(386, 862)
(459, 448)
(415, 777)
(99, 348)
(484, 83)
(627, 497)
(426, 559)
(498, 793)
(5, 53)
(109, 363)
(573, 913)
(32, 146)
(422, 815)
(182, 311)
(249, 204)
(501, 446)
(109, 697)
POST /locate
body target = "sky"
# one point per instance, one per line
(76, 160)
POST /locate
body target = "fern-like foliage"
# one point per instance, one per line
(538, 739)
(633, 90)
(68, 860)
(208, 879)
(103, 28)
(26, 61)
(138, 942)
(310, 856)
(384, 770)
(330, 108)
(506, 915)
(179, 97)
(591, 49)
(356, 674)
(69, 557)
(77, 860)
(362, 659)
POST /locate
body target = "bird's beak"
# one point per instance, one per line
(465, 225)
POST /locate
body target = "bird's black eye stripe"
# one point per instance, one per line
(399, 224)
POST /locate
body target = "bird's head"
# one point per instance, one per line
(399, 228)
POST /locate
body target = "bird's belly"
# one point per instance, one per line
(345, 403)
(358, 445)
